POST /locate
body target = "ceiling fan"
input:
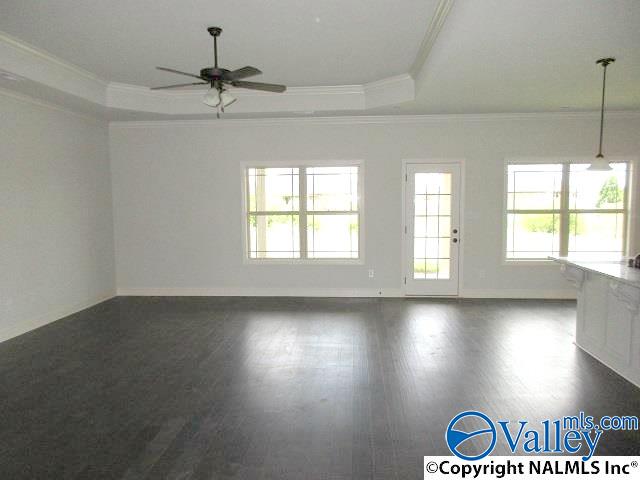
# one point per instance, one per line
(218, 78)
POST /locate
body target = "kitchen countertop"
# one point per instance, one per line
(614, 269)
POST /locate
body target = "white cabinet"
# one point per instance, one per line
(607, 323)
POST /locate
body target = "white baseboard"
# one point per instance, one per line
(330, 292)
(259, 292)
(517, 293)
(18, 328)
(23, 326)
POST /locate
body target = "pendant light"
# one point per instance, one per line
(600, 164)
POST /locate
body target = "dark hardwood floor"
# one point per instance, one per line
(208, 388)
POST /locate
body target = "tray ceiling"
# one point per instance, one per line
(372, 57)
(296, 42)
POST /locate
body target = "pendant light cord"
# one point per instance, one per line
(604, 82)
(604, 62)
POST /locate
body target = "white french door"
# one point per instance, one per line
(432, 228)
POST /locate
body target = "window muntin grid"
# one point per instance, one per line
(432, 226)
(564, 209)
(316, 207)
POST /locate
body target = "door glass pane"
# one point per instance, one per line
(432, 226)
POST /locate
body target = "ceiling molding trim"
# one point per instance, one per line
(378, 119)
(389, 91)
(295, 99)
(25, 61)
(238, 92)
(437, 22)
(48, 57)
(21, 97)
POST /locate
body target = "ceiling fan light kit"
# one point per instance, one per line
(217, 78)
(600, 164)
(226, 98)
(211, 98)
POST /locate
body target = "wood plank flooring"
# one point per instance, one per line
(286, 388)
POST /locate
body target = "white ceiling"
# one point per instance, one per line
(490, 56)
(532, 55)
(296, 42)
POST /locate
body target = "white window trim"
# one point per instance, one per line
(630, 201)
(246, 260)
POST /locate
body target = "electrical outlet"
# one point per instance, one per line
(371, 273)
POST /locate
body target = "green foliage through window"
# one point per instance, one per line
(425, 267)
(610, 193)
(544, 223)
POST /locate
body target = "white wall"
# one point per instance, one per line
(178, 203)
(56, 223)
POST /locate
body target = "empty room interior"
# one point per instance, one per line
(314, 240)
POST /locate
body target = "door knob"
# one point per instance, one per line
(455, 230)
(455, 240)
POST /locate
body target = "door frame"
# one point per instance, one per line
(461, 200)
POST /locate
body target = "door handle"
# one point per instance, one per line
(454, 240)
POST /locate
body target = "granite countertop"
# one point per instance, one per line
(616, 270)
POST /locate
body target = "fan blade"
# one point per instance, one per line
(179, 85)
(240, 73)
(165, 69)
(267, 87)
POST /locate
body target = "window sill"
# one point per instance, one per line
(527, 263)
(305, 261)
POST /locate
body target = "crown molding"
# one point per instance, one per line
(51, 106)
(296, 99)
(239, 92)
(26, 61)
(8, 40)
(376, 119)
(389, 91)
(437, 22)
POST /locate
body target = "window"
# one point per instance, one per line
(564, 209)
(303, 212)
